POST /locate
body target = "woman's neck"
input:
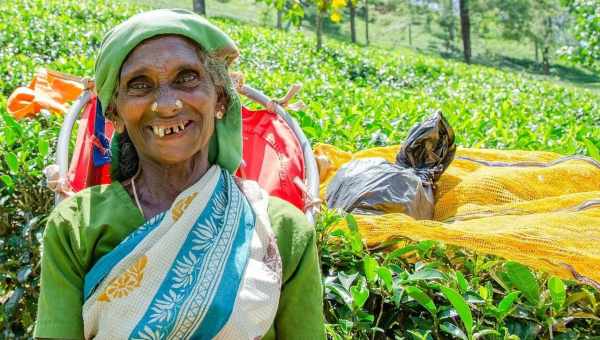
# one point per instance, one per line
(158, 185)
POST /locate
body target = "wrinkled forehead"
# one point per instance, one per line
(161, 53)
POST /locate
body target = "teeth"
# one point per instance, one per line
(161, 132)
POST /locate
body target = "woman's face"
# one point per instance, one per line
(166, 100)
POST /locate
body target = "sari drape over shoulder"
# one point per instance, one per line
(207, 268)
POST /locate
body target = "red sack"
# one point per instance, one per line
(90, 164)
(272, 155)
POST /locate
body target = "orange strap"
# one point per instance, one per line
(48, 90)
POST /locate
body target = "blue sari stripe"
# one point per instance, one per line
(107, 262)
(189, 288)
(223, 302)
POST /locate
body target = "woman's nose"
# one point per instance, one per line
(167, 104)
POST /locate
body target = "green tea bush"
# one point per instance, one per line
(356, 98)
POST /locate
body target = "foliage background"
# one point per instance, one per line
(356, 98)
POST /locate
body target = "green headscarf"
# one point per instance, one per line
(226, 143)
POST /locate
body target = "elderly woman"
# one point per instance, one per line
(176, 247)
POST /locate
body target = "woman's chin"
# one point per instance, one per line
(174, 157)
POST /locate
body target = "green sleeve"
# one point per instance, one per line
(300, 311)
(79, 231)
(60, 300)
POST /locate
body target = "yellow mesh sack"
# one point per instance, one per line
(538, 208)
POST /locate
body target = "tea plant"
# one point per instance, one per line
(356, 98)
(427, 290)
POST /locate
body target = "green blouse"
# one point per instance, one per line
(88, 225)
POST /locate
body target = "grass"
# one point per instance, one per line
(389, 31)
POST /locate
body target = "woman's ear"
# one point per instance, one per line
(221, 105)
(118, 124)
(112, 114)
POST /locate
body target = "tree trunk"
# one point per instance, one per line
(352, 21)
(546, 60)
(319, 29)
(200, 7)
(367, 22)
(279, 19)
(537, 58)
(410, 33)
(465, 28)
(410, 21)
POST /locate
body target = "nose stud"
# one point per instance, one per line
(178, 106)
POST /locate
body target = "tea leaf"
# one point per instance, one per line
(346, 279)
(399, 252)
(426, 274)
(13, 163)
(557, 292)
(7, 180)
(352, 225)
(592, 150)
(386, 276)
(43, 147)
(360, 294)
(462, 282)
(370, 267)
(462, 308)
(453, 330)
(521, 277)
(506, 303)
(422, 298)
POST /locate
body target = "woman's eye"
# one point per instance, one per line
(187, 77)
(139, 86)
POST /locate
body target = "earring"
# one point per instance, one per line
(178, 104)
(219, 114)
(119, 126)
(154, 107)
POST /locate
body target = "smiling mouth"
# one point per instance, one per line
(161, 130)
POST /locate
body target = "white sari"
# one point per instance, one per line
(207, 268)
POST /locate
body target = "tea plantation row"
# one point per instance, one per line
(356, 98)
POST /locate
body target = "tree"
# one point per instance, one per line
(200, 7)
(352, 8)
(538, 20)
(447, 20)
(290, 10)
(465, 29)
(586, 14)
(367, 22)
(324, 7)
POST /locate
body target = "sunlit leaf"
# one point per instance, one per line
(386, 276)
(522, 278)
(506, 304)
(422, 298)
(462, 308)
(370, 267)
(13, 163)
(558, 292)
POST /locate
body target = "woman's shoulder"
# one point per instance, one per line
(86, 203)
(92, 217)
(288, 221)
(292, 230)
